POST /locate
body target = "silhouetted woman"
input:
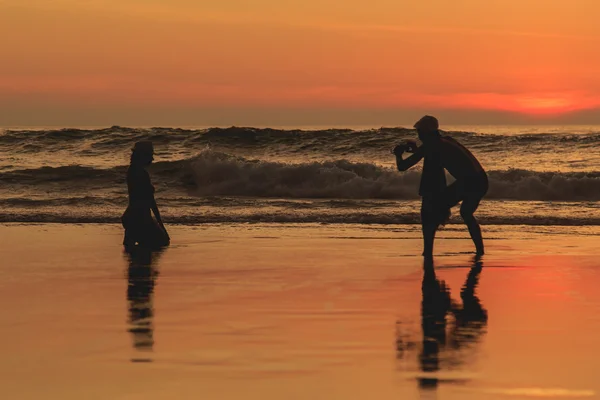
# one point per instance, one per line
(140, 227)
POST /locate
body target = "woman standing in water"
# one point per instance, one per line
(140, 227)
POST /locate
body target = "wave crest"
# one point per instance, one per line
(217, 173)
(337, 141)
(212, 173)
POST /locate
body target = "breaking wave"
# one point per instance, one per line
(213, 173)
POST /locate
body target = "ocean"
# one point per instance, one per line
(539, 175)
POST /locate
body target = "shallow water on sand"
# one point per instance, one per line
(298, 311)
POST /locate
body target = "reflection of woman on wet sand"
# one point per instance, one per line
(141, 279)
(140, 227)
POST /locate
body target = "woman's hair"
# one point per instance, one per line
(141, 150)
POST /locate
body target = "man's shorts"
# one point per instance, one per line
(469, 191)
(436, 208)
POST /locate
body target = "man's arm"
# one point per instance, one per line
(404, 164)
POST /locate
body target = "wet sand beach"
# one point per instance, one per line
(267, 311)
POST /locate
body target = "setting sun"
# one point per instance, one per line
(543, 105)
(200, 62)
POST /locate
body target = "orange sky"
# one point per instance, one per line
(297, 61)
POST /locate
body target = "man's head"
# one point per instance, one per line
(427, 127)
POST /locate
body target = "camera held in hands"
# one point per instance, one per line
(409, 146)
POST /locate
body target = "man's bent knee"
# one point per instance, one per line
(467, 216)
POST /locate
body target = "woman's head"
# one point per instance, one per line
(142, 153)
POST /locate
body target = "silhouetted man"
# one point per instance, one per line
(439, 153)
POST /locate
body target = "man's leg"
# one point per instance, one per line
(467, 209)
(435, 211)
(429, 231)
(430, 222)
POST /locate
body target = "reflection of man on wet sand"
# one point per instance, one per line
(435, 305)
(439, 153)
(470, 320)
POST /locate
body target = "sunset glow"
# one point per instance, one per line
(534, 57)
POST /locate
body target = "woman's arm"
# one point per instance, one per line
(153, 205)
(157, 215)
(154, 208)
